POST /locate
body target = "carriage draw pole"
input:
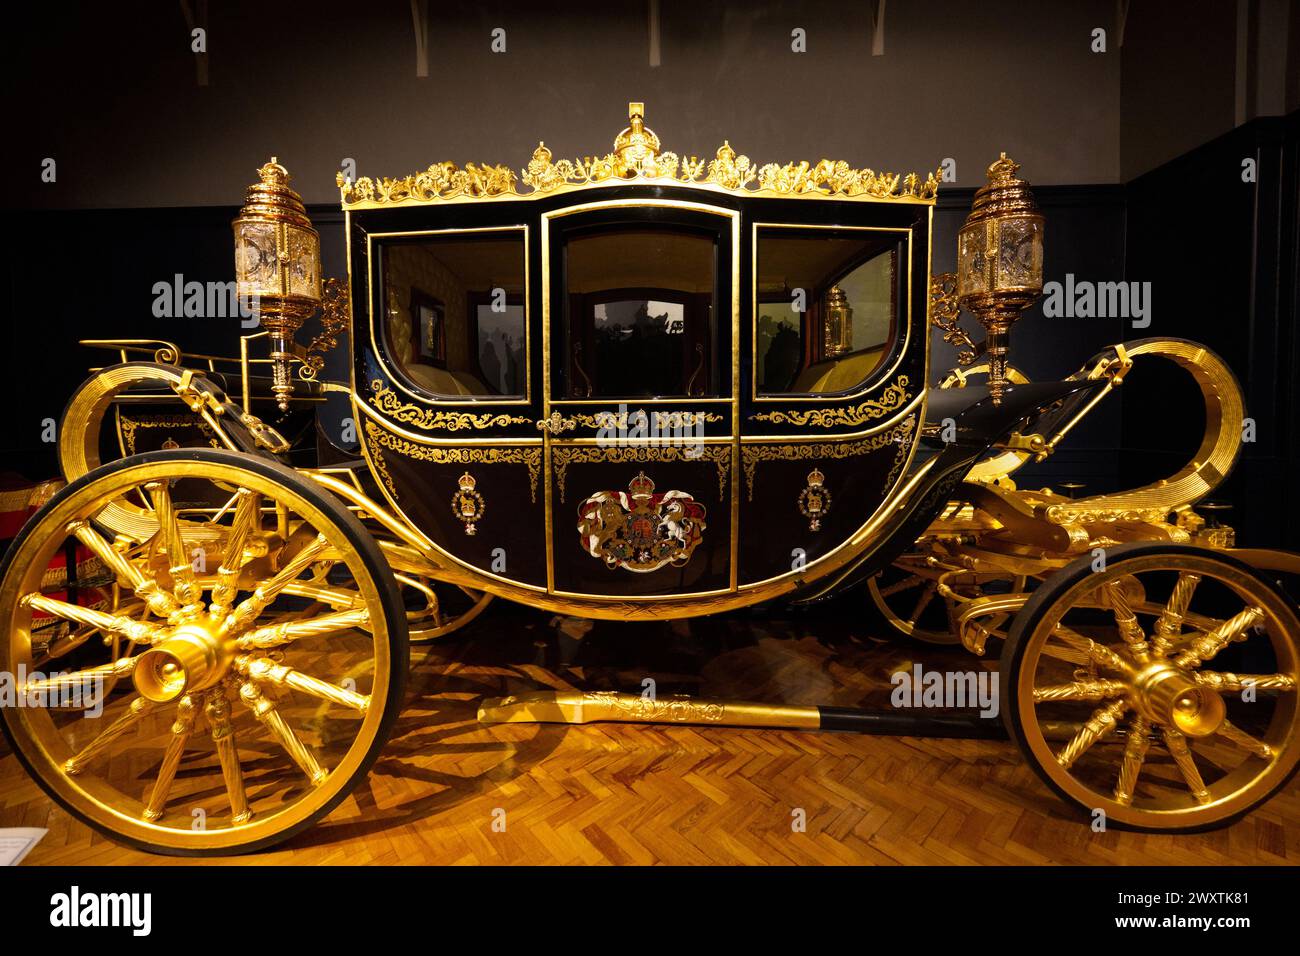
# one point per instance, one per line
(587, 707)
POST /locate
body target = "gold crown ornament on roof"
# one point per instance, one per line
(637, 156)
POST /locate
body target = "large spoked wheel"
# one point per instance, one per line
(243, 678)
(1160, 690)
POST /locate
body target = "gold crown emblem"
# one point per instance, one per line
(816, 478)
(641, 486)
(638, 143)
(467, 482)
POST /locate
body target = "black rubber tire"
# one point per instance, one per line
(1026, 621)
(357, 536)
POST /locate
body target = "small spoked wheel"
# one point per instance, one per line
(245, 673)
(1161, 690)
(906, 594)
(920, 597)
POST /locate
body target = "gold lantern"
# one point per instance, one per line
(838, 324)
(277, 267)
(1000, 262)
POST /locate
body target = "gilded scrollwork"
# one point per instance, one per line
(564, 455)
(894, 397)
(439, 181)
(388, 402)
(378, 440)
(335, 314)
(945, 313)
(657, 709)
(660, 420)
(899, 436)
(637, 157)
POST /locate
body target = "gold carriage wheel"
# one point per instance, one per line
(215, 740)
(1167, 707)
(907, 597)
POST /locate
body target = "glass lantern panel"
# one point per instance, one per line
(1020, 254)
(304, 267)
(972, 264)
(256, 263)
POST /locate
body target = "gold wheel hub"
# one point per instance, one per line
(1171, 696)
(192, 658)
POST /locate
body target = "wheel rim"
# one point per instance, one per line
(227, 728)
(1162, 690)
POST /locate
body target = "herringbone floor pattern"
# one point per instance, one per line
(449, 791)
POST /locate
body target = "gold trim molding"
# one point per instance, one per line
(377, 439)
(637, 159)
(891, 399)
(564, 455)
(388, 402)
(899, 435)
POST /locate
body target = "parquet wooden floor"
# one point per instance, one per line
(629, 794)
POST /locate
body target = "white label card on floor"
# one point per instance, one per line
(17, 842)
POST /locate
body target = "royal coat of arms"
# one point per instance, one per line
(640, 530)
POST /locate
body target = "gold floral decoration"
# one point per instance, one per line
(388, 402)
(563, 456)
(662, 420)
(900, 436)
(378, 440)
(891, 399)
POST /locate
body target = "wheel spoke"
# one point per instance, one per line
(158, 600)
(1125, 620)
(223, 735)
(80, 679)
(138, 708)
(181, 730)
(1208, 645)
(1135, 752)
(1235, 735)
(274, 635)
(261, 598)
(136, 631)
(1098, 653)
(264, 710)
(1236, 683)
(185, 584)
(1081, 690)
(247, 511)
(927, 595)
(1182, 754)
(1171, 618)
(911, 581)
(264, 669)
(1101, 724)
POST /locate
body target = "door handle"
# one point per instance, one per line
(556, 423)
